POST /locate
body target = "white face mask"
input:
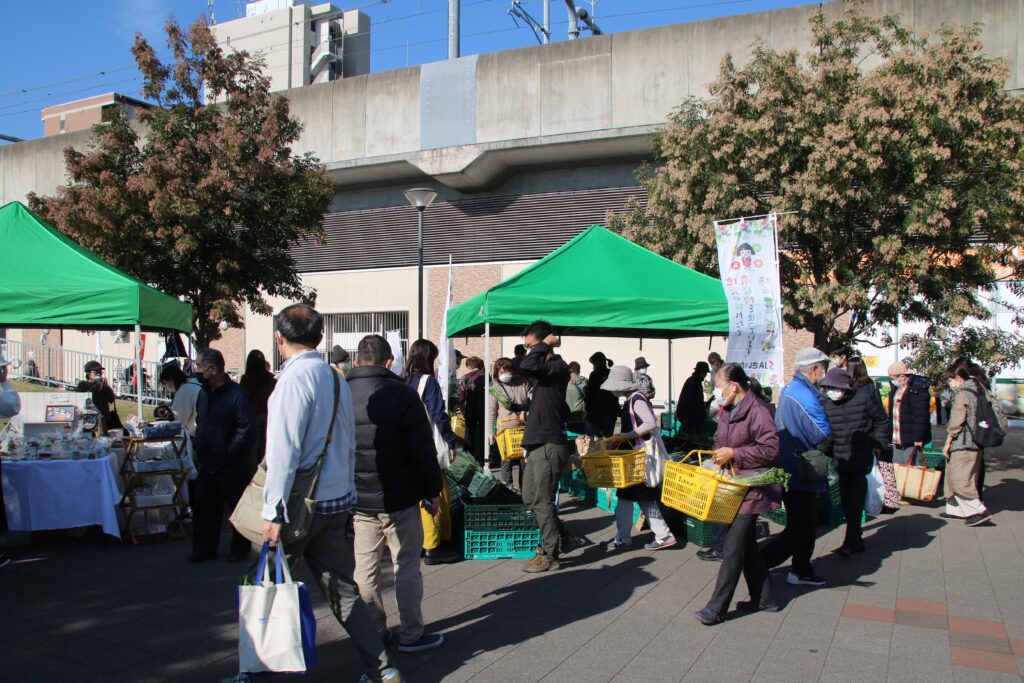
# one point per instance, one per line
(642, 371)
(505, 377)
(717, 393)
(834, 394)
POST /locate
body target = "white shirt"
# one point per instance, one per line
(299, 413)
(183, 405)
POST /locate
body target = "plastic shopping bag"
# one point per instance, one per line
(875, 499)
(276, 625)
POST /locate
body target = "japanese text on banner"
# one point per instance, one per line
(749, 267)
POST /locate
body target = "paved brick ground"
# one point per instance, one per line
(929, 601)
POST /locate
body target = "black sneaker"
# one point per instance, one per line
(711, 555)
(978, 519)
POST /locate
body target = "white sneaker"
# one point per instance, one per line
(795, 579)
(616, 544)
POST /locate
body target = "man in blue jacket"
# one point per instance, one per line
(800, 418)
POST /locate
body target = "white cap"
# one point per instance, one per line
(809, 356)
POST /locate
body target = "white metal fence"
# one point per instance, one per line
(62, 368)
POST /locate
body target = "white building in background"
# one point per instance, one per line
(302, 43)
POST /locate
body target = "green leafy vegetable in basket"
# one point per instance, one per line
(775, 475)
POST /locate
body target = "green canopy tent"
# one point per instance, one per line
(598, 284)
(48, 280)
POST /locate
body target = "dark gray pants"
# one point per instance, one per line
(544, 466)
(741, 557)
(329, 553)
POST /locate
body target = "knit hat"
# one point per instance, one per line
(810, 356)
(837, 378)
(339, 355)
(898, 368)
(620, 378)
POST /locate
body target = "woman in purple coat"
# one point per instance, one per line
(748, 441)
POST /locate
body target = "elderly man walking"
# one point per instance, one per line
(800, 418)
(396, 471)
(311, 415)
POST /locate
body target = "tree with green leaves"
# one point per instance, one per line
(894, 161)
(205, 205)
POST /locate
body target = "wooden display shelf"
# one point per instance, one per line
(134, 447)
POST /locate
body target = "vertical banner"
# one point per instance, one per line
(749, 265)
(446, 351)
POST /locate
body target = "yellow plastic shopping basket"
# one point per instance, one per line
(701, 493)
(458, 425)
(510, 439)
(618, 469)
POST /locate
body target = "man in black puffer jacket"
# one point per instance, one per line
(860, 430)
(396, 469)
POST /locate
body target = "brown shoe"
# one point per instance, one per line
(540, 562)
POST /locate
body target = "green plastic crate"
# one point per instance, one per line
(482, 485)
(501, 545)
(700, 533)
(607, 499)
(499, 518)
(462, 468)
(935, 460)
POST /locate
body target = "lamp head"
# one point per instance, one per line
(420, 197)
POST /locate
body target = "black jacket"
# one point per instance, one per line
(396, 461)
(545, 423)
(691, 410)
(601, 404)
(103, 398)
(915, 411)
(859, 427)
(473, 401)
(225, 430)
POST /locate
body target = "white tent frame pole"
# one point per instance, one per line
(138, 367)
(671, 419)
(487, 392)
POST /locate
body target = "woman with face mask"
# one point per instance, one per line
(860, 430)
(506, 407)
(963, 456)
(639, 426)
(747, 442)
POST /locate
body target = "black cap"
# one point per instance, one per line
(702, 367)
(338, 355)
(93, 366)
(641, 362)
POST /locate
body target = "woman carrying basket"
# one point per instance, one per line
(746, 441)
(506, 408)
(638, 417)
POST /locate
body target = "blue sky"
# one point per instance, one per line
(64, 50)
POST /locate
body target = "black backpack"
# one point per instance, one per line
(987, 432)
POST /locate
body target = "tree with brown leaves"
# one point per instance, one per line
(206, 204)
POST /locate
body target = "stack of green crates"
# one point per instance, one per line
(575, 484)
(700, 533)
(498, 532)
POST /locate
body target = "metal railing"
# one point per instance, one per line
(61, 368)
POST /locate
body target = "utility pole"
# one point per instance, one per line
(453, 29)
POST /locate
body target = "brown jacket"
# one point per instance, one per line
(748, 428)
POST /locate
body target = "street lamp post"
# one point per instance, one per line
(421, 198)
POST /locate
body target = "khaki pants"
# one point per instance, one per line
(438, 527)
(544, 466)
(403, 531)
(961, 484)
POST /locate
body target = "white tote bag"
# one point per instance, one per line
(875, 498)
(654, 447)
(440, 445)
(270, 621)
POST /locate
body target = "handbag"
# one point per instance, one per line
(440, 445)
(915, 481)
(812, 466)
(654, 448)
(891, 496)
(874, 501)
(247, 517)
(276, 623)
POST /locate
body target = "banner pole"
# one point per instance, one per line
(487, 392)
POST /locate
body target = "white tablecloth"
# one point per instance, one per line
(61, 494)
